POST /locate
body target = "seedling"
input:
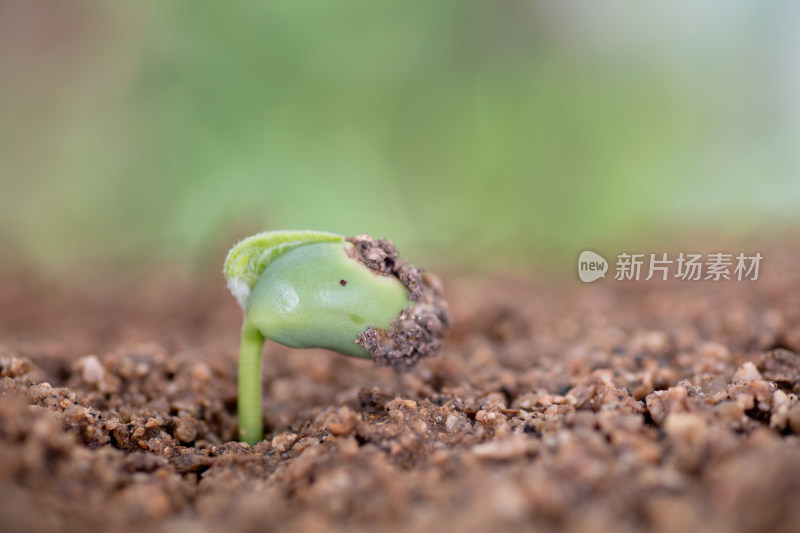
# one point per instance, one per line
(311, 289)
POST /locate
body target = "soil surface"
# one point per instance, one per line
(615, 406)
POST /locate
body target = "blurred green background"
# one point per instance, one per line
(479, 133)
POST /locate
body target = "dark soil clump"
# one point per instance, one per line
(418, 331)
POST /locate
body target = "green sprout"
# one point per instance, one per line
(311, 289)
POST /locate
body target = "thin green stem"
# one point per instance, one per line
(251, 428)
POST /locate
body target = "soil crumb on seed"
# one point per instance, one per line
(417, 332)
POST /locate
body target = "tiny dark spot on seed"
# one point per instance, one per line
(342, 282)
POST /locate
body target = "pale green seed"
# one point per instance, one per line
(317, 296)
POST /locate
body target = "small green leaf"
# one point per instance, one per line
(249, 257)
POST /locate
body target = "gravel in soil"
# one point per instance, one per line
(649, 406)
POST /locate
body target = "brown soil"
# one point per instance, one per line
(649, 406)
